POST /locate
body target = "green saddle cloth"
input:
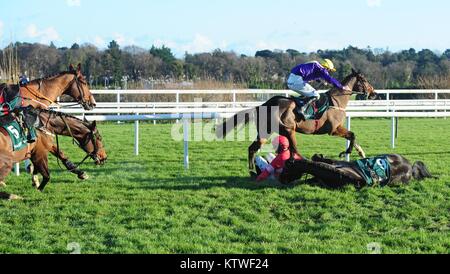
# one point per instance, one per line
(316, 110)
(18, 135)
(376, 171)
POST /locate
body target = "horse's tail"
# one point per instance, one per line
(421, 172)
(243, 117)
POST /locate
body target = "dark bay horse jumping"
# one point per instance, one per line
(86, 135)
(279, 111)
(384, 170)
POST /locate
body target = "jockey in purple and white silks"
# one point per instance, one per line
(302, 74)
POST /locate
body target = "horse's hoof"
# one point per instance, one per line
(2, 184)
(83, 176)
(13, 197)
(342, 155)
(317, 157)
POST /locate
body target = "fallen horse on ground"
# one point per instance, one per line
(383, 170)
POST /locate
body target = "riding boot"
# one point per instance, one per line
(31, 122)
(303, 109)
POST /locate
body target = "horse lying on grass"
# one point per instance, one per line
(383, 170)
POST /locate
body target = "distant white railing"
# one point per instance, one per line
(177, 110)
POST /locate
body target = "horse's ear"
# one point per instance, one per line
(354, 71)
(71, 68)
(79, 68)
(94, 125)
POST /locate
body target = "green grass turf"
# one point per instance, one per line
(149, 204)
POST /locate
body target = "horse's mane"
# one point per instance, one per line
(347, 79)
(65, 115)
(50, 77)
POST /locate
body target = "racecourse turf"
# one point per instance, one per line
(149, 204)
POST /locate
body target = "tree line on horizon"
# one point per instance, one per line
(139, 67)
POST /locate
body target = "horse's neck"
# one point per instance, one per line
(52, 88)
(343, 97)
(57, 125)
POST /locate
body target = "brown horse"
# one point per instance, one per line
(279, 111)
(336, 174)
(84, 133)
(43, 92)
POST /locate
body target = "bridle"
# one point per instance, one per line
(81, 99)
(361, 91)
(90, 137)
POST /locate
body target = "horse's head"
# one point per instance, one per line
(362, 86)
(79, 89)
(93, 144)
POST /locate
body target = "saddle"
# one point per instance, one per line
(314, 110)
(375, 171)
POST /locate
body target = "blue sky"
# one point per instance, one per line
(240, 25)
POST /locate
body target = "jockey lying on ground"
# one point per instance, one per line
(273, 168)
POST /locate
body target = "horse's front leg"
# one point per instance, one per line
(68, 164)
(361, 152)
(350, 136)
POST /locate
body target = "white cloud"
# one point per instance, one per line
(122, 40)
(44, 36)
(73, 3)
(374, 3)
(199, 44)
(99, 42)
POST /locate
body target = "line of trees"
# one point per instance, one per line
(142, 68)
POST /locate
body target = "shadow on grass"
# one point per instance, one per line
(203, 183)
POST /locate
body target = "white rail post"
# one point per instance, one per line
(186, 134)
(136, 137)
(17, 169)
(436, 98)
(349, 127)
(393, 130)
(445, 109)
(118, 104)
(154, 107)
(178, 102)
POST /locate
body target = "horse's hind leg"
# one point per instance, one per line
(6, 164)
(40, 163)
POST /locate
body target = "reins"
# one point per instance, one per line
(90, 137)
